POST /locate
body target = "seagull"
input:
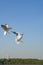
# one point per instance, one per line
(5, 28)
(18, 37)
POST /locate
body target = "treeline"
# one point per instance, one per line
(21, 61)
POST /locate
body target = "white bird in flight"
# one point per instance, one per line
(18, 37)
(5, 28)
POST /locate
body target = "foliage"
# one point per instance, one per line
(21, 61)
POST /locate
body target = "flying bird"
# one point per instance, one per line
(18, 37)
(5, 28)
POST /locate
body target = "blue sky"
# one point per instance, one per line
(24, 16)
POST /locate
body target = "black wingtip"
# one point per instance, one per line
(13, 32)
(2, 25)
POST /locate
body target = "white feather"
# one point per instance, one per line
(6, 25)
(19, 36)
(5, 33)
(17, 42)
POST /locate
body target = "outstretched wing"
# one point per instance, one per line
(15, 33)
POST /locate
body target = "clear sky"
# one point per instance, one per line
(24, 16)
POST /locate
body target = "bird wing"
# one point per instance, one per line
(15, 33)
